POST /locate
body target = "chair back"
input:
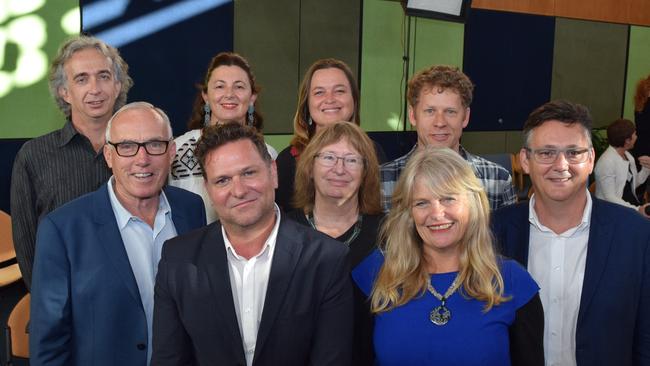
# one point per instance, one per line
(17, 333)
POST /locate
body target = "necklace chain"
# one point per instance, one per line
(355, 231)
(452, 288)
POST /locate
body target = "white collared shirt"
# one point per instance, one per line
(143, 246)
(557, 263)
(249, 279)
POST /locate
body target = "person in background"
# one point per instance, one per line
(439, 98)
(642, 121)
(440, 294)
(328, 94)
(89, 81)
(337, 192)
(97, 256)
(617, 177)
(591, 258)
(228, 93)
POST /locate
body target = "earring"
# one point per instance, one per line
(206, 114)
(251, 115)
(309, 121)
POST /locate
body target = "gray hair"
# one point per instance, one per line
(140, 105)
(57, 77)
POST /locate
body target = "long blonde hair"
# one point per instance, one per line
(404, 276)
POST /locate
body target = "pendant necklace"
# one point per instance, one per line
(441, 315)
(355, 231)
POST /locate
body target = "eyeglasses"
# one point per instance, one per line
(130, 148)
(548, 156)
(329, 160)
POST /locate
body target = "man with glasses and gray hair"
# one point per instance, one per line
(591, 258)
(97, 256)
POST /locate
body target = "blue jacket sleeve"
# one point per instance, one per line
(50, 333)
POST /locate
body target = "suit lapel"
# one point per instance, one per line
(181, 222)
(111, 240)
(214, 262)
(601, 236)
(285, 259)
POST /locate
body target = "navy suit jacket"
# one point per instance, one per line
(614, 317)
(307, 316)
(85, 304)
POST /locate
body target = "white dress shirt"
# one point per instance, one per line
(249, 279)
(143, 246)
(557, 263)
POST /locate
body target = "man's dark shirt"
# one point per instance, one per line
(49, 171)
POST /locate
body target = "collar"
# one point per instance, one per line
(583, 225)
(270, 240)
(122, 215)
(68, 132)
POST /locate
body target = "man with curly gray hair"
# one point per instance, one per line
(89, 81)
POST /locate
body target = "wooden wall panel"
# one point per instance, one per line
(603, 10)
(541, 7)
(639, 12)
(613, 11)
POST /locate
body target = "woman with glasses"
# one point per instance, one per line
(328, 93)
(439, 292)
(228, 93)
(337, 192)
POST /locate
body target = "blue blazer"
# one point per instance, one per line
(614, 316)
(85, 305)
(307, 317)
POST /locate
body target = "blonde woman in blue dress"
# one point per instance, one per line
(439, 292)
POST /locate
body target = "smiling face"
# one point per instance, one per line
(340, 183)
(141, 177)
(91, 87)
(330, 97)
(229, 94)
(439, 118)
(241, 185)
(441, 222)
(559, 182)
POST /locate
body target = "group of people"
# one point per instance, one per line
(323, 254)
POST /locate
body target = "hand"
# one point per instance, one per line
(645, 210)
(644, 161)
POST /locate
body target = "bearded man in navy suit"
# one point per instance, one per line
(96, 256)
(253, 288)
(591, 258)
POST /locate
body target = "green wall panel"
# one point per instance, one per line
(382, 83)
(267, 34)
(638, 65)
(589, 64)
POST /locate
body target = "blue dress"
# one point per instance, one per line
(406, 336)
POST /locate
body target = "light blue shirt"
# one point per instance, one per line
(143, 246)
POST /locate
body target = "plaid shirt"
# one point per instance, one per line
(495, 179)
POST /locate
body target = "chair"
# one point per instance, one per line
(16, 332)
(9, 272)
